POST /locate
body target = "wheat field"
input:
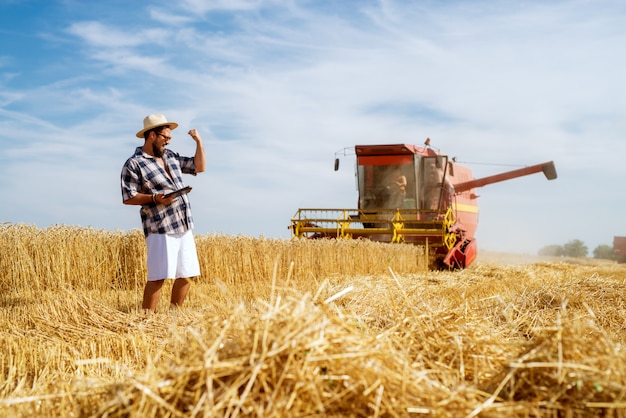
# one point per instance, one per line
(304, 328)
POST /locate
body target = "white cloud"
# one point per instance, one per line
(168, 18)
(97, 34)
(202, 7)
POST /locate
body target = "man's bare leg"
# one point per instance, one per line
(151, 294)
(179, 291)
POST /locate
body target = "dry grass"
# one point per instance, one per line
(311, 328)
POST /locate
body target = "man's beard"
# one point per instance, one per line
(157, 151)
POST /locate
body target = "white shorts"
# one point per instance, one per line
(172, 256)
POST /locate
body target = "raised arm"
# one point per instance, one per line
(198, 159)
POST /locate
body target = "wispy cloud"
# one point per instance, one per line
(203, 7)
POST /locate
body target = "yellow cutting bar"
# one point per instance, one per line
(388, 225)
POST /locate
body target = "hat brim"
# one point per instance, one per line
(172, 125)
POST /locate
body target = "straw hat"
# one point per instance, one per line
(154, 121)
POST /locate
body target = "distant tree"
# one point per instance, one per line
(604, 252)
(552, 251)
(575, 248)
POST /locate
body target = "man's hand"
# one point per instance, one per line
(162, 200)
(195, 135)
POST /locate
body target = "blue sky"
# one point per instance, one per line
(277, 87)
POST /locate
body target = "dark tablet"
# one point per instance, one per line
(179, 192)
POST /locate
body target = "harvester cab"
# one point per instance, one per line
(410, 194)
(417, 182)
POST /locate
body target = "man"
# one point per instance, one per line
(397, 192)
(147, 176)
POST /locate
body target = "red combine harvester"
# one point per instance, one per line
(410, 194)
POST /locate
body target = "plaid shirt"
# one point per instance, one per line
(142, 174)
